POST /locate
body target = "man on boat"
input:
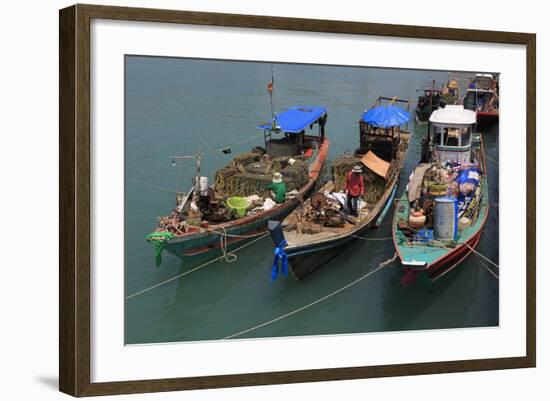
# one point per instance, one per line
(355, 188)
(278, 188)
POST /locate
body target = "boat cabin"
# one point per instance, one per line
(380, 128)
(450, 133)
(431, 98)
(483, 100)
(296, 131)
(484, 81)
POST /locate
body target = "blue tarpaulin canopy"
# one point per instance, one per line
(296, 119)
(386, 116)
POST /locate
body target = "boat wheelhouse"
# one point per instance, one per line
(450, 134)
(439, 219)
(323, 225)
(286, 135)
(482, 97)
(238, 205)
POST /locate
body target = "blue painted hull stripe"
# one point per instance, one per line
(387, 206)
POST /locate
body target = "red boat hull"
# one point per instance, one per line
(486, 116)
(453, 259)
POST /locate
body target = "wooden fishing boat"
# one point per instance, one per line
(429, 101)
(440, 217)
(322, 226)
(203, 219)
(436, 98)
(482, 97)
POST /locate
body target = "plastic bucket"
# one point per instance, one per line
(425, 236)
(238, 204)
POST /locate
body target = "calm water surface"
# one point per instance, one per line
(171, 101)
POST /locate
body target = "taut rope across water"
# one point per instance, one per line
(223, 256)
(370, 273)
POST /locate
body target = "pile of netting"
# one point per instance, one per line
(249, 174)
(374, 184)
(459, 180)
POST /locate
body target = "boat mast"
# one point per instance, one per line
(431, 96)
(270, 88)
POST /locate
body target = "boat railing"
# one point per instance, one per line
(313, 157)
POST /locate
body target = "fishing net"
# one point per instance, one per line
(259, 168)
(247, 157)
(250, 173)
(295, 175)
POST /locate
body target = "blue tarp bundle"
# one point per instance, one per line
(470, 175)
(386, 116)
(296, 119)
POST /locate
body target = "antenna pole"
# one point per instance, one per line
(197, 158)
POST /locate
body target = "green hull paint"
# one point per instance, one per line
(209, 240)
(426, 254)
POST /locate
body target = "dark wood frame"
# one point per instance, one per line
(74, 199)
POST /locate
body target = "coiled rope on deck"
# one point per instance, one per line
(194, 269)
(324, 298)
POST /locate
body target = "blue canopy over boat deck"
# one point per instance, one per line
(296, 119)
(386, 116)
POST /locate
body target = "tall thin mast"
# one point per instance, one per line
(270, 87)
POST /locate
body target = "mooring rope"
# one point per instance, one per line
(370, 273)
(194, 269)
(154, 186)
(421, 123)
(213, 151)
(229, 257)
(223, 232)
(493, 160)
(487, 267)
(371, 239)
(481, 256)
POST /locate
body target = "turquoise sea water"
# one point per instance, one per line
(169, 103)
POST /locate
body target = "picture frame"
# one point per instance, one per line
(75, 338)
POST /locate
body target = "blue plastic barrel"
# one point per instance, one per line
(445, 218)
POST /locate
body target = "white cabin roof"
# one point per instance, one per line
(455, 114)
(480, 90)
(485, 75)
